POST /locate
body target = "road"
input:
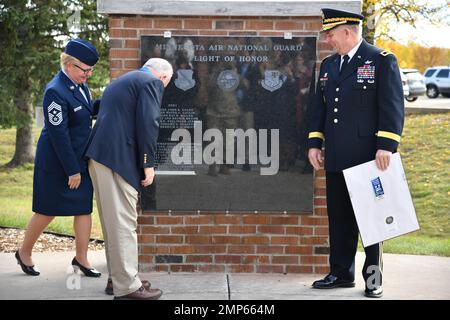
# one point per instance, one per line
(424, 104)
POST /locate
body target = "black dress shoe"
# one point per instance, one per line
(30, 270)
(374, 293)
(87, 272)
(330, 282)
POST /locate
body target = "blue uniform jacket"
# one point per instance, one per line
(68, 122)
(125, 134)
(358, 112)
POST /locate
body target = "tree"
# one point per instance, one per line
(379, 13)
(33, 33)
(416, 56)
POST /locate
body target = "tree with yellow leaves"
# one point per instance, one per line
(416, 56)
(380, 13)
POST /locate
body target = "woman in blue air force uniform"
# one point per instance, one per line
(61, 185)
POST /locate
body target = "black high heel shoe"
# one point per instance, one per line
(30, 270)
(87, 272)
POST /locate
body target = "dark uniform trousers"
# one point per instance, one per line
(344, 233)
(355, 112)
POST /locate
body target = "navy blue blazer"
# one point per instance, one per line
(358, 111)
(125, 134)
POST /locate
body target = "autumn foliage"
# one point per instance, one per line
(416, 56)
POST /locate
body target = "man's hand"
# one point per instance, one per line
(382, 159)
(74, 181)
(315, 157)
(149, 176)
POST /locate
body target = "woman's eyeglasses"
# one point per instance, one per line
(86, 71)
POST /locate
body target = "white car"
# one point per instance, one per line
(416, 84)
(437, 80)
(404, 84)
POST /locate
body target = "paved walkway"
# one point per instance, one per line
(405, 277)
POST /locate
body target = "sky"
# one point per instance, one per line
(426, 33)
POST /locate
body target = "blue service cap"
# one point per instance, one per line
(82, 50)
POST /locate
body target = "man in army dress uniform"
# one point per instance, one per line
(358, 112)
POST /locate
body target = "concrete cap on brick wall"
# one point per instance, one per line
(225, 8)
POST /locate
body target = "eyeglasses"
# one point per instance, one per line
(86, 71)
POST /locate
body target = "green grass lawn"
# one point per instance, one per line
(425, 150)
(16, 189)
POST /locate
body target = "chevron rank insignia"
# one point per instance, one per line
(55, 116)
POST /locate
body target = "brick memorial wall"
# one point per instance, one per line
(228, 241)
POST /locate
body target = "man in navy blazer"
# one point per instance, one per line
(122, 150)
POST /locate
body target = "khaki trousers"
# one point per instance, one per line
(116, 203)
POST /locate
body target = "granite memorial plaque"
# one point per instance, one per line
(233, 125)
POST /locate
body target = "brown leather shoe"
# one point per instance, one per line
(142, 294)
(109, 286)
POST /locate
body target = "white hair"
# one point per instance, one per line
(356, 28)
(160, 66)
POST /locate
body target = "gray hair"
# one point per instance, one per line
(160, 65)
(356, 28)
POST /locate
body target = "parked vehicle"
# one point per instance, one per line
(416, 84)
(437, 80)
(405, 84)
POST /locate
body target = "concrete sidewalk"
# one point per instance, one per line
(405, 277)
